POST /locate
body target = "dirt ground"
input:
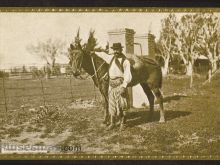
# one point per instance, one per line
(191, 127)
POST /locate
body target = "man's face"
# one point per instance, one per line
(117, 52)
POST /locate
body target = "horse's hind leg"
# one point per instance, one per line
(150, 97)
(159, 96)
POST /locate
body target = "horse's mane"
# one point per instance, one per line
(103, 53)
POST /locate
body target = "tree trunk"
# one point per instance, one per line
(191, 81)
(189, 72)
(214, 66)
(165, 68)
(189, 69)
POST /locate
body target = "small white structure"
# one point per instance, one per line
(62, 70)
(139, 97)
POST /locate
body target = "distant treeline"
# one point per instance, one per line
(36, 72)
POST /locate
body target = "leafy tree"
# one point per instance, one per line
(76, 44)
(92, 43)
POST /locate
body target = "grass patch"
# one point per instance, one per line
(192, 126)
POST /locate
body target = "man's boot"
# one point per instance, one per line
(112, 125)
(123, 121)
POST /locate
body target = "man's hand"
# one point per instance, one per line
(122, 91)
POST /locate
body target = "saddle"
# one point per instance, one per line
(137, 61)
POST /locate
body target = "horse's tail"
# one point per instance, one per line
(161, 82)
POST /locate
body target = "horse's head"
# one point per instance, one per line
(76, 59)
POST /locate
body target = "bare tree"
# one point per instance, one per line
(48, 50)
(209, 38)
(187, 41)
(197, 34)
(166, 43)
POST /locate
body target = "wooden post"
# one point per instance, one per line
(23, 91)
(4, 91)
(94, 91)
(42, 89)
(71, 90)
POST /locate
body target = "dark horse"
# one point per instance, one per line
(144, 71)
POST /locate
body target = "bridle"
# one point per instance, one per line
(95, 71)
(94, 68)
(78, 68)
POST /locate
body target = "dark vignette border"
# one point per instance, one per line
(117, 162)
(110, 3)
(108, 162)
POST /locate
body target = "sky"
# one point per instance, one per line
(18, 30)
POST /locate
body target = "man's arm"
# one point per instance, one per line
(106, 57)
(127, 73)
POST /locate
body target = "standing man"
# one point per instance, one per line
(119, 78)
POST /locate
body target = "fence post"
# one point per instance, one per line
(71, 90)
(23, 91)
(3, 80)
(42, 89)
(94, 90)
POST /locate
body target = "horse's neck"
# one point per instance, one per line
(89, 64)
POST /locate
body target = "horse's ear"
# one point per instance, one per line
(71, 46)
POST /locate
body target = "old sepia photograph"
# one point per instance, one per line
(110, 84)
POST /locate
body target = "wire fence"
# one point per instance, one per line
(22, 90)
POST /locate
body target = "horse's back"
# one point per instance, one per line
(146, 70)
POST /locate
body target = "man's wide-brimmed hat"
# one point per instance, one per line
(116, 46)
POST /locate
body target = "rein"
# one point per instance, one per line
(94, 68)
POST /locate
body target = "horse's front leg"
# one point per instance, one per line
(104, 91)
(106, 113)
